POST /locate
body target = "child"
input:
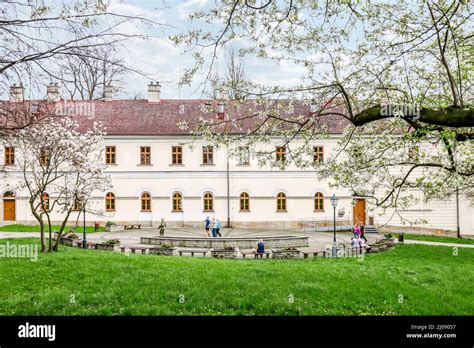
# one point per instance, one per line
(356, 230)
(354, 243)
(208, 226)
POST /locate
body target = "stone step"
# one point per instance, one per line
(371, 229)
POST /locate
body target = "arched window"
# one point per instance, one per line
(208, 202)
(244, 201)
(318, 201)
(9, 194)
(177, 202)
(45, 202)
(110, 202)
(146, 202)
(281, 202)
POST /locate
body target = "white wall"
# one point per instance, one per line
(192, 179)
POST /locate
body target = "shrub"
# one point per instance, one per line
(167, 245)
(113, 241)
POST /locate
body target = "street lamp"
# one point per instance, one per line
(84, 240)
(334, 201)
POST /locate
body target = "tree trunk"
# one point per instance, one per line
(61, 230)
(40, 221)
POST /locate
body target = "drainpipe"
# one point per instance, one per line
(457, 212)
(228, 189)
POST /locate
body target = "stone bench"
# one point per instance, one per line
(256, 255)
(193, 251)
(314, 253)
(80, 244)
(133, 248)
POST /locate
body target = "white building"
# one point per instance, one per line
(157, 174)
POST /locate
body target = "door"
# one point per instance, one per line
(9, 210)
(359, 212)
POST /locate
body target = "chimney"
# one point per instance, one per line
(108, 92)
(16, 93)
(154, 91)
(52, 92)
(225, 95)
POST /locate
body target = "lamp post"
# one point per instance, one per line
(334, 201)
(84, 240)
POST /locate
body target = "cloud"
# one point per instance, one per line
(184, 9)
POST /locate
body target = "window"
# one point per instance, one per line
(9, 156)
(110, 155)
(208, 202)
(244, 155)
(318, 201)
(177, 202)
(281, 202)
(9, 194)
(244, 201)
(45, 202)
(146, 202)
(44, 157)
(318, 154)
(77, 205)
(145, 155)
(110, 202)
(280, 152)
(207, 155)
(176, 155)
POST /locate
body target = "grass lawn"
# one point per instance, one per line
(407, 280)
(441, 239)
(35, 228)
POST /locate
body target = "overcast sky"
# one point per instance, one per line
(162, 59)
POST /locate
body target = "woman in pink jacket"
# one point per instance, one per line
(356, 230)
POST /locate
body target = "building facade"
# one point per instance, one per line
(158, 171)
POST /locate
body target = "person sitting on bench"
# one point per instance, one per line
(260, 248)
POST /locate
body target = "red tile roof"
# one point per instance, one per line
(140, 117)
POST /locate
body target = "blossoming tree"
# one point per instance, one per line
(353, 61)
(61, 168)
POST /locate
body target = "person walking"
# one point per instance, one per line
(208, 226)
(213, 226)
(162, 226)
(218, 228)
(362, 233)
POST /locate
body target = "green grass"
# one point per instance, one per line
(429, 279)
(441, 239)
(36, 228)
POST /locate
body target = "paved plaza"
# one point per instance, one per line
(132, 237)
